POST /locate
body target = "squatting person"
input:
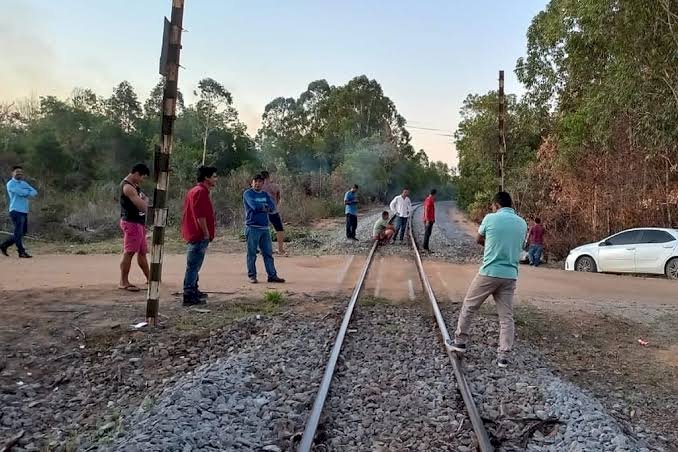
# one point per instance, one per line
(258, 204)
(19, 192)
(198, 228)
(133, 207)
(351, 209)
(502, 233)
(383, 231)
(274, 192)
(402, 207)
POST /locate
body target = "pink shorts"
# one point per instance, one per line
(134, 240)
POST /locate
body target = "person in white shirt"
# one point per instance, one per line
(402, 207)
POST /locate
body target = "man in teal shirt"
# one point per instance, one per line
(19, 192)
(502, 233)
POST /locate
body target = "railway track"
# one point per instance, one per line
(313, 419)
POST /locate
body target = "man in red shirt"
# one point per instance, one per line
(429, 216)
(198, 229)
(535, 241)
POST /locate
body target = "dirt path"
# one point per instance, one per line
(389, 278)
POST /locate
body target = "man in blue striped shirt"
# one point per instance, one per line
(19, 192)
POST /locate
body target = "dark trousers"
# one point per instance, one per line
(400, 226)
(351, 225)
(427, 234)
(20, 221)
(195, 255)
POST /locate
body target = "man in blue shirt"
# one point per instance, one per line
(19, 192)
(351, 209)
(502, 233)
(258, 204)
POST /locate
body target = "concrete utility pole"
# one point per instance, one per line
(169, 68)
(502, 131)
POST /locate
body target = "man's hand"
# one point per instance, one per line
(480, 240)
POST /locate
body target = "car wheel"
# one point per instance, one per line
(585, 264)
(672, 268)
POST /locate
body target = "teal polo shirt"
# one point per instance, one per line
(504, 233)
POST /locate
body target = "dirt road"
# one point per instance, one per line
(389, 278)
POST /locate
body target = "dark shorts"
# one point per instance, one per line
(276, 221)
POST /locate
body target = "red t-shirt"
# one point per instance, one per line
(429, 209)
(536, 235)
(197, 204)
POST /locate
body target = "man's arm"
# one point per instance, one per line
(133, 196)
(392, 206)
(251, 204)
(32, 192)
(17, 188)
(480, 237)
(347, 201)
(200, 212)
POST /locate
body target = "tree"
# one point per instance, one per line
(123, 107)
(153, 104)
(214, 108)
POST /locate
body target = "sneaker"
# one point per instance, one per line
(3, 250)
(253, 279)
(276, 279)
(456, 346)
(25, 256)
(502, 362)
(202, 295)
(192, 300)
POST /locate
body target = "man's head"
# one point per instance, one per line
(537, 220)
(139, 172)
(501, 200)
(406, 192)
(266, 175)
(354, 188)
(384, 215)
(17, 172)
(434, 192)
(207, 175)
(257, 182)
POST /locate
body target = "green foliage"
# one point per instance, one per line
(353, 131)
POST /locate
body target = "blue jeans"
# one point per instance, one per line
(195, 255)
(400, 226)
(20, 221)
(259, 238)
(535, 252)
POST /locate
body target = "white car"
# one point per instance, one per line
(640, 250)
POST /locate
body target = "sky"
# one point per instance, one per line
(427, 56)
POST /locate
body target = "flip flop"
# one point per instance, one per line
(130, 288)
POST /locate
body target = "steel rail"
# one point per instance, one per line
(478, 427)
(314, 418)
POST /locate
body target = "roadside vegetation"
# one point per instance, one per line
(592, 146)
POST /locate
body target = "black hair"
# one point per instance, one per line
(141, 169)
(434, 191)
(385, 212)
(265, 174)
(503, 199)
(205, 171)
(355, 186)
(16, 167)
(537, 220)
(258, 177)
(406, 188)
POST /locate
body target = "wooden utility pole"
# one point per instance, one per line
(502, 131)
(169, 68)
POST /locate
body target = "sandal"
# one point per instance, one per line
(130, 288)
